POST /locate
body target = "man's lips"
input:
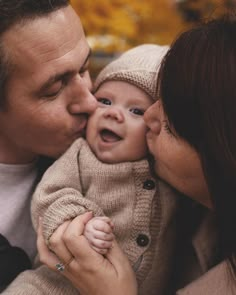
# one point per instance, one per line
(81, 128)
(109, 135)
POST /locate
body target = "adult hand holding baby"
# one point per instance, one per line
(87, 268)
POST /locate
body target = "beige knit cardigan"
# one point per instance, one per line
(127, 193)
(154, 262)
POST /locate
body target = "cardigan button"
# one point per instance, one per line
(142, 240)
(149, 184)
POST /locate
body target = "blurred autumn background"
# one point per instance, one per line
(112, 26)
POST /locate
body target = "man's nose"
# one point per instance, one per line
(83, 100)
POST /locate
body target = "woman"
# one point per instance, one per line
(192, 140)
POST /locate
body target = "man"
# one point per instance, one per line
(44, 103)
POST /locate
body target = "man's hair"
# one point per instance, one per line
(17, 11)
(197, 87)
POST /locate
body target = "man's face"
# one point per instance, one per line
(48, 93)
(116, 131)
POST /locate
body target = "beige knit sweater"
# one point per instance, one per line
(125, 192)
(152, 213)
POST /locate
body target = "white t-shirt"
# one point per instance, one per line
(17, 183)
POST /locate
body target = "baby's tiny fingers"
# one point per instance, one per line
(100, 244)
(103, 236)
(100, 225)
(100, 251)
(111, 223)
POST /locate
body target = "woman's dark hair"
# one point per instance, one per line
(197, 85)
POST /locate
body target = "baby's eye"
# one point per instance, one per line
(104, 101)
(137, 111)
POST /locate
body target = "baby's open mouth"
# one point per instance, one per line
(109, 136)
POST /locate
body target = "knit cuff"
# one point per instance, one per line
(66, 208)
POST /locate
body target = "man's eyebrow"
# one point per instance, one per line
(58, 77)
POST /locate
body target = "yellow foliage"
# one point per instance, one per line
(132, 22)
(135, 21)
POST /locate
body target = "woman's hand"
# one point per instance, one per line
(90, 272)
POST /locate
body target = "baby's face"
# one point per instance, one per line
(116, 131)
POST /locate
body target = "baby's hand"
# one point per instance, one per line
(99, 232)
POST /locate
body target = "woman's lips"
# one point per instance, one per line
(149, 134)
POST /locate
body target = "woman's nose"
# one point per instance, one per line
(151, 118)
(114, 113)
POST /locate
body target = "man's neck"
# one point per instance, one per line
(16, 157)
(11, 153)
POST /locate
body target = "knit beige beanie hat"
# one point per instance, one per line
(138, 66)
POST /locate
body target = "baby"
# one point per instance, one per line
(108, 173)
